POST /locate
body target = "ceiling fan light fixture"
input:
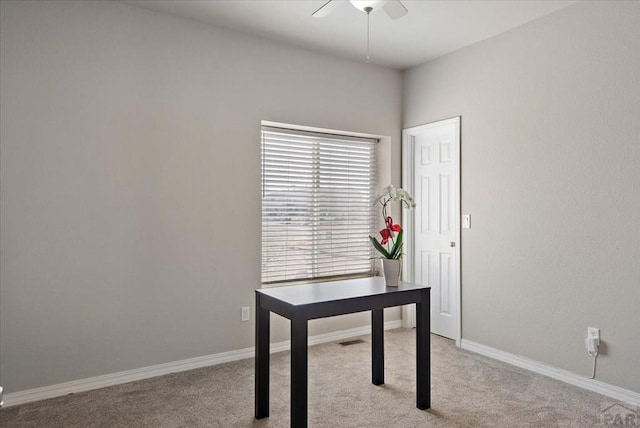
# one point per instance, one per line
(394, 8)
(371, 5)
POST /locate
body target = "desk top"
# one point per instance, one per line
(321, 292)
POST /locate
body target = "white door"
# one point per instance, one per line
(432, 176)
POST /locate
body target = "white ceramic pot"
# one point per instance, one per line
(391, 269)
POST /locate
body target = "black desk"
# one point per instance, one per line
(301, 303)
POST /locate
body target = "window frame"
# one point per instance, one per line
(373, 216)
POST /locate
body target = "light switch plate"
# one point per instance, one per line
(466, 221)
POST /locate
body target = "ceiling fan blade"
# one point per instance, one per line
(395, 9)
(325, 9)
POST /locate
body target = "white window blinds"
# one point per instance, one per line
(317, 205)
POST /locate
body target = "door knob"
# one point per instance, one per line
(453, 244)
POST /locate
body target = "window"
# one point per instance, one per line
(317, 205)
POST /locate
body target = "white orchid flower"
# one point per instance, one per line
(404, 196)
(391, 194)
(392, 191)
(388, 192)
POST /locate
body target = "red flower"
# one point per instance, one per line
(388, 231)
(386, 234)
(393, 227)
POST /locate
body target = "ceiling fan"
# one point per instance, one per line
(394, 8)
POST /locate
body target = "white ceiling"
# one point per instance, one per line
(431, 28)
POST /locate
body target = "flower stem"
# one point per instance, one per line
(384, 218)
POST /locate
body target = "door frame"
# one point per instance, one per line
(408, 219)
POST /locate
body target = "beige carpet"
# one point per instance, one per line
(468, 390)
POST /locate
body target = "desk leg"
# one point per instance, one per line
(377, 346)
(299, 372)
(423, 352)
(262, 361)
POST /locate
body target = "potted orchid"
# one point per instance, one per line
(390, 244)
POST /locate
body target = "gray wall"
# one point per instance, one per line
(130, 181)
(551, 177)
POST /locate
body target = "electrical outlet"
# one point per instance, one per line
(592, 342)
(245, 313)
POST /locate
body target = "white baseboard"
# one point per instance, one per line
(58, 390)
(584, 382)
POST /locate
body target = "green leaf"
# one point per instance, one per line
(397, 247)
(378, 246)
